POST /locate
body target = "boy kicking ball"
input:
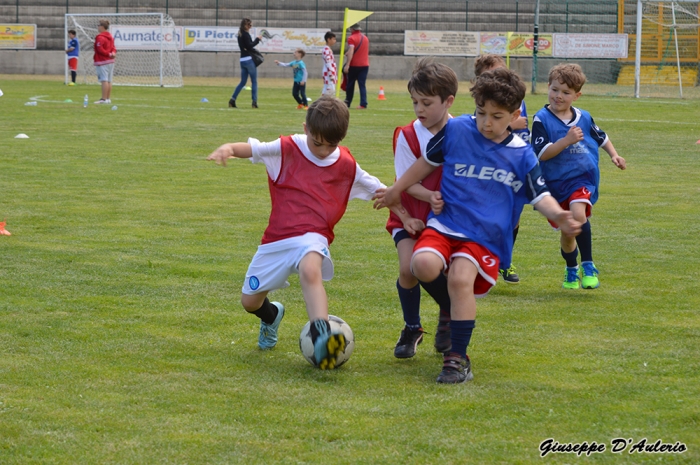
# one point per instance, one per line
(311, 179)
(488, 175)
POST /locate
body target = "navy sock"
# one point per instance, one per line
(515, 233)
(571, 258)
(585, 242)
(267, 312)
(461, 335)
(410, 304)
(438, 291)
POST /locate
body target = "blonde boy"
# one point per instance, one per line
(566, 141)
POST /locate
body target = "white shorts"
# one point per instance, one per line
(274, 262)
(105, 72)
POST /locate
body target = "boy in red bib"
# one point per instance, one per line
(311, 179)
(433, 87)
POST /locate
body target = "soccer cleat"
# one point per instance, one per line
(268, 332)
(327, 346)
(71, 83)
(300, 106)
(407, 343)
(509, 275)
(589, 280)
(455, 369)
(361, 107)
(443, 339)
(101, 101)
(571, 280)
(232, 103)
(255, 104)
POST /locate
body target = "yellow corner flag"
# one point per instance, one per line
(351, 17)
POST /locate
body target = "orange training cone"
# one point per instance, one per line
(3, 231)
(381, 93)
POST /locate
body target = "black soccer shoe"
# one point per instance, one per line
(407, 343)
(232, 103)
(455, 369)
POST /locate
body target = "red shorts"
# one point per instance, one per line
(73, 64)
(581, 195)
(447, 249)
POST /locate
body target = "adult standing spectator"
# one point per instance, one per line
(357, 65)
(104, 60)
(246, 44)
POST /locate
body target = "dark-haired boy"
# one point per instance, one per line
(311, 179)
(330, 71)
(73, 54)
(488, 175)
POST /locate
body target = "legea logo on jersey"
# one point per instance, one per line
(539, 140)
(488, 260)
(488, 173)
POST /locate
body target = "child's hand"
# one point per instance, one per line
(520, 123)
(303, 83)
(277, 62)
(222, 154)
(567, 224)
(574, 135)
(386, 198)
(413, 225)
(619, 161)
(436, 202)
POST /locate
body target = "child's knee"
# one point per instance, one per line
(252, 302)
(426, 266)
(310, 268)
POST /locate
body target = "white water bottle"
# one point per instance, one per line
(85, 101)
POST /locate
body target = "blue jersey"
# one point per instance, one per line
(523, 133)
(75, 45)
(577, 165)
(484, 184)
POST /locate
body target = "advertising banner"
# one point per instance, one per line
(441, 43)
(515, 44)
(274, 39)
(146, 37)
(211, 39)
(590, 45)
(16, 36)
(286, 40)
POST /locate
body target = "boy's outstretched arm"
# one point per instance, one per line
(231, 150)
(392, 196)
(614, 157)
(574, 135)
(549, 207)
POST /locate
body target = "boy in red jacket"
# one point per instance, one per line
(104, 60)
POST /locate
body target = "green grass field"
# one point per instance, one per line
(122, 339)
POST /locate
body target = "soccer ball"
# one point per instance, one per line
(307, 347)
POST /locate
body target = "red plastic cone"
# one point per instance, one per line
(381, 94)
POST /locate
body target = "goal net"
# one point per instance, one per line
(147, 48)
(667, 45)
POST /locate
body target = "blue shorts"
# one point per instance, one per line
(105, 72)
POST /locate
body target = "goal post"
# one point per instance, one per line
(147, 48)
(667, 49)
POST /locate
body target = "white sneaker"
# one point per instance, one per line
(101, 101)
(108, 101)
